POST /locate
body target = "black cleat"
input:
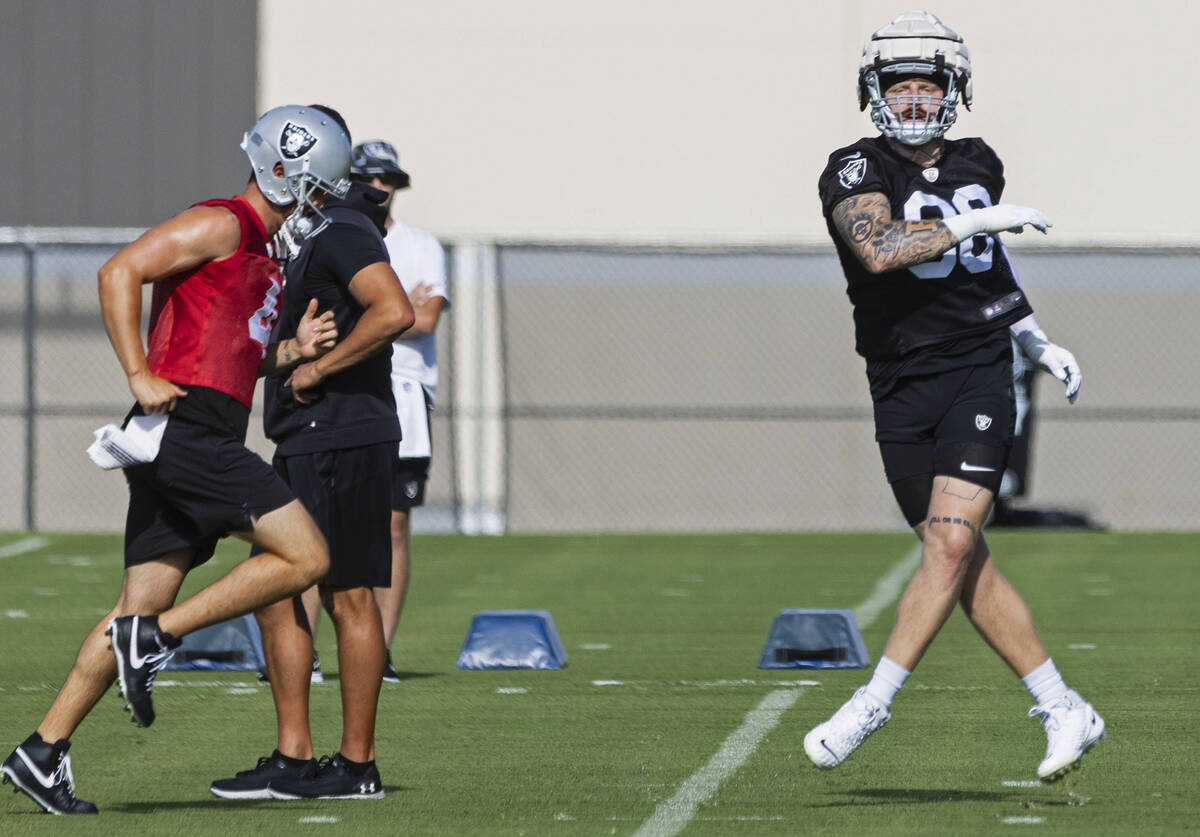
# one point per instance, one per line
(43, 773)
(389, 671)
(252, 784)
(141, 650)
(333, 779)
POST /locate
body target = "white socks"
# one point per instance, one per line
(886, 681)
(1045, 683)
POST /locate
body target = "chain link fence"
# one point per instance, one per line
(650, 389)
(710, 390)
(62, 381)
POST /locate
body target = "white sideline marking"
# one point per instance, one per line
(595, 646)
(69, 560)
(329, 820)
(888, 588)
(204, 684)
(1023, 820)
(22, 546)
(706, 684)
(672, 816)
(1082, 646)
(511, 690)
(16, 614)
(1021, 783)
(230, 687)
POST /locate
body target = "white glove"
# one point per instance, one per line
(994, 219)
(1053, 358)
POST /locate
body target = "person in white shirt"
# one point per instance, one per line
(419, 261)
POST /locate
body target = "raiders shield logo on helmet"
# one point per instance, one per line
(295, 141)
(852, 173)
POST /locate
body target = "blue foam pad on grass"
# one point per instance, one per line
(801, 638)
(235, 645)
(512, 639)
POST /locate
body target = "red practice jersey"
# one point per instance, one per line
(210, 327)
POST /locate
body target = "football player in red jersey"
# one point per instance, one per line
(216, 296)
(914, 218)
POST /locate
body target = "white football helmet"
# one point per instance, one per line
(914, 44)
(314, 154)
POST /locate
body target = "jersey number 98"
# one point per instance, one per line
(918, 208)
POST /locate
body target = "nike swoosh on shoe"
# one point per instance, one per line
(45, 781)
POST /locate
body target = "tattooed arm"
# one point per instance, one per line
(881, 244)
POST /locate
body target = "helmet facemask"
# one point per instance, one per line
(908, 118)
(308, 191)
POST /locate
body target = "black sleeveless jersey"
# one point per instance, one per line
(906, 319)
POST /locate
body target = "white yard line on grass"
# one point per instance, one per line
(672, 816)
(888, 588)
(22, 546)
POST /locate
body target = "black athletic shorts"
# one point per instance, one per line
(408, 483)
(349, 494)
(958, 423)
(202, 486)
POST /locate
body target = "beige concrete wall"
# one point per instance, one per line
(648, 119)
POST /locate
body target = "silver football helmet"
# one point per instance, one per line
(313, 153)
(914, 44)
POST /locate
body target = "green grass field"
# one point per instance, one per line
(680, 623)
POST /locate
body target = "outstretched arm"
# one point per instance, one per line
(865, 223)
(882, 244)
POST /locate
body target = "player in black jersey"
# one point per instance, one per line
(915, 219)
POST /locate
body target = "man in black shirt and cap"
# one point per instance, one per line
(336, 431)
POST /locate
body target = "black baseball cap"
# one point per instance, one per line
(376, 158)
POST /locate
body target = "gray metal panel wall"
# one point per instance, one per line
(123, 112)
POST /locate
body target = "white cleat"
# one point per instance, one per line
(831, 743)
(1072, 728)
